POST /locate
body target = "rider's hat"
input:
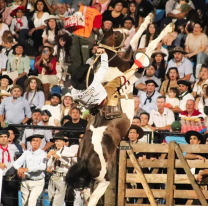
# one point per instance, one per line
(79, 75)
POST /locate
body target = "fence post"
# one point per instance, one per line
(122, 176)
(170, 174)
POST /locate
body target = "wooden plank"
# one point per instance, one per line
(158, 193)
(157, 148)
(122, 178)
(155, 171)
(162, 163)
(189, 174)
(189, 202)
(170, 174)
(157, 178)
(140, 175)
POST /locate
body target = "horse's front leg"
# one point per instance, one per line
(98, 192)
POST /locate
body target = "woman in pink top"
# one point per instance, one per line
(103, 3)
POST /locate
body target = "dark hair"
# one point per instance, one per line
(135, 117)
(45, 8)
(57, 28)
(199, 23)
(162, 97)
(1, 17)
(9, 39)
(36, 110)
(147, 39)
(145, 113)
(172, 68)
(116, 2)
(129, 12)
(175, 90)
(14, 52)
(76, 108)
(162, 67)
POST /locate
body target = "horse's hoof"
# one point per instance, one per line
(151, 16)
(169, 28)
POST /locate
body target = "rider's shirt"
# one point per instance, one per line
(95, 93)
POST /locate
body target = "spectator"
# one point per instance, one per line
(47, 134)
(149, 98)
(137, 109)
(136, 121)
(161, 117)
(116, 14)
(54, 108)
(51, 30)
(196, 46)
(83, 38)
(162, 49)
(46, 66)
(19, 25)
(13, 138)
(148, 37)
(39, 17)
(8, 44)
(203, 79)
(5, 11)
(62, 10)
(202, 100)
(172, 99)
(15, 109)
(10, 184)
(18, 66)
(76, 123)
(184, 88)
(132, 11)
(3, 27)
(33, 94)
(184, 65)
(173, 77)
(64, 158)
(103, 4)
(30, 168)
(5, 82)
(159, 63)
(149, 75)
(67, 101)
(190, 110)
(65, 119)
(128, 23)
(45, 116)
(144, 7)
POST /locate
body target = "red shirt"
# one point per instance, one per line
(47, 72)
(195, 113)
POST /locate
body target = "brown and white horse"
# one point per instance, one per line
(101, 139)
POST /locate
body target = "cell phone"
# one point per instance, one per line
(44, 51)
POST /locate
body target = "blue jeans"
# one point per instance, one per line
(181, 37)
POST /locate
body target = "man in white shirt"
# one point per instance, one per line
(161, 117)
(54, 108)
(185, 89)
(59, 163)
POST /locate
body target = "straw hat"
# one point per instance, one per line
(51, 17)
(27, 81)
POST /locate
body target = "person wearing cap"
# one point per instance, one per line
(34, 95)
(46, 66)
(59, 163)
(45, 141)
(18, 66)
(30, 168)
(149, 74)
(161, 117)
(10, 184)
(148, 99)
(54, 108)
(19, 25)
(184, 89)
(15, 109)
(45, 116)
(184, 65)
(6, 81)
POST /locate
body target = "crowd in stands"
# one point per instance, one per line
(38, 55)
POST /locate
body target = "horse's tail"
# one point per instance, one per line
(78, 176)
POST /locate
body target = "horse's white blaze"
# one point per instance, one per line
(111, 74)
(97, 136)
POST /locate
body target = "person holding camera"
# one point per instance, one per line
(46, 66)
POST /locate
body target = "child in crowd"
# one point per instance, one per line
(8, 44)
(172, 98)
(19, 25)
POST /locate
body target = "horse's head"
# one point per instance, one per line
(115, 37)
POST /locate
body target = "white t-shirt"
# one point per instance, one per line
(173, 101)
(96, 93)
(198, 88)
(40, 22)
(182, 104)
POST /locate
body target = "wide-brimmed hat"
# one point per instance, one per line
(178, 49)
(15, 130)
(151, 81)
(13, 13)
(34, 136)
(194, 133)
(5, 76)
(78, 77)
(5, 94)
(138, 129)
(18, 44)
(158, 52)
(51, 49)
(51, 17)
(186, 83)
(27, 81)
(59, 136)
